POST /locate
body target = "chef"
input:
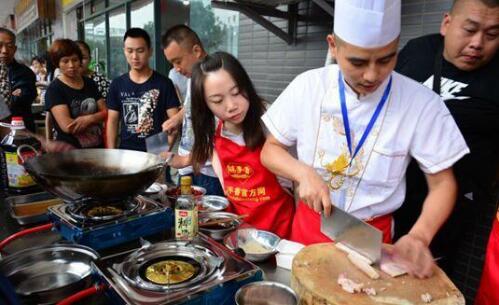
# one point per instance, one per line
(356, 126)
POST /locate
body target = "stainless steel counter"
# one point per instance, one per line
(9, 226)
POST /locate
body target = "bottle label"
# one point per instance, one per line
(186, 224)
(18, 177)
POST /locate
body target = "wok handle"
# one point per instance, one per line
(14, 236)
(22, 146)
(83, 294)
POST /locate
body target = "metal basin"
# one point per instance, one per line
(103, 174)
(218, 232)
(266, 293)
(213, 203)
(257, 245)
(46, 275)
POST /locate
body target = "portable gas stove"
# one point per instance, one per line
(199, 272)
(102, 225)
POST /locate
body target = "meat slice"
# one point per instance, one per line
(349, 285)
(426, 297)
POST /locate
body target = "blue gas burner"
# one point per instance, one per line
(104, 225)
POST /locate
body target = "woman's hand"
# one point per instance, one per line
(80, 124)
(314, 191)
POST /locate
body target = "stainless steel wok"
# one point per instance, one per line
(46, 275)
(101, 174)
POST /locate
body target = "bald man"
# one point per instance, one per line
(460, 64)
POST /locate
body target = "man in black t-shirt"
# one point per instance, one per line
(141, 100)
(462, 66)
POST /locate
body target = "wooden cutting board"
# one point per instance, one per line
(316, 269)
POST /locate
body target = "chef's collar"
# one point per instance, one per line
(376, 95)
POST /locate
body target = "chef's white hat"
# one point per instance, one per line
(367, 23)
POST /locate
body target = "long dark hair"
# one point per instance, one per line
(203, 120)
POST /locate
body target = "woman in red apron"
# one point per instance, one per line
(488, 293)
(221, 88)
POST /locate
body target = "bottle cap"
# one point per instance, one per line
(17, 122)
(186, 180)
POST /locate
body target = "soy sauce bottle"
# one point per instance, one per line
(186, 212)
(15, 180)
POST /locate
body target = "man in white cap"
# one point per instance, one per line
(356, 126)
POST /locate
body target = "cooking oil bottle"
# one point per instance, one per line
(15, 179)
(186, 211)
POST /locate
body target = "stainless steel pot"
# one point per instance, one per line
(266, 293)
(103, 174)
(46, 275)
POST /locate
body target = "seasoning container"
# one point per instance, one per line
(17, 147)
(186, 212)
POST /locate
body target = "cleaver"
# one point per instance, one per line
(353, 232)
(157, 143)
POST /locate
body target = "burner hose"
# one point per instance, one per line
(14, 236)
(83, 294)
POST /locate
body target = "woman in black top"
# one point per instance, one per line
(100, 80)
(74, 101)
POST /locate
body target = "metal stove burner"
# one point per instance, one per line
(141, 217)
(204, 263)
(100, 211)
(170, 270)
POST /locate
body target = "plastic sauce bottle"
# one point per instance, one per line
(186, 212)
(15, 179)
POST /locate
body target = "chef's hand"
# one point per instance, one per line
(173, 123)
(56, 146)
(50, 146)
(80, 124)
(314, 192)
(413, 253)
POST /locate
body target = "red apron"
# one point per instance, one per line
(306, 227)
(252, 189)
(488, 293)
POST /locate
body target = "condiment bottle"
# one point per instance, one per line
(15, 179)
(186, 212)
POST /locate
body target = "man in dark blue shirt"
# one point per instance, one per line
(21, 80)
(141, 100)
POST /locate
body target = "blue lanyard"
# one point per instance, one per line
(370, 125)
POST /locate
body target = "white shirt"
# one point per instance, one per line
(414, 123)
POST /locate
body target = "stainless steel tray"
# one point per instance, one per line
(25, 200)
(29, 219)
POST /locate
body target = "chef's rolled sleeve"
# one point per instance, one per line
(282, 118)
(438, 142)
